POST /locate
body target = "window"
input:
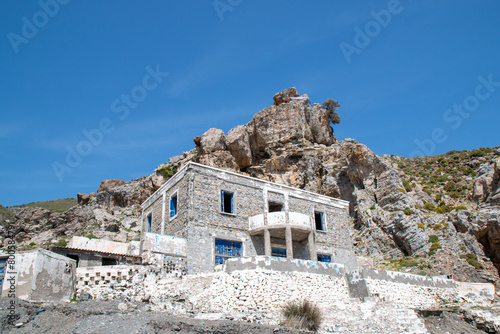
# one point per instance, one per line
(3, 269)
(278, 252)
(107, 261)
(275, 206)
(324, 258)
(225, 249)
(318, 219)
(173, 206)
(226, 202)
(150, 223)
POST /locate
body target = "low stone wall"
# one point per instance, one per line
(263, 284)
(412, 291)
(268, 290)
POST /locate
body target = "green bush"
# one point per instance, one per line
(460, 207)
(472, 260)
(408, 262)
(302, 315)
(449, 186)
(431, 253)
(422, 226)
(433, 238)
(401, 190)
(372, 207)
(407, 186)
(435, 246)
(437, 227)
(429, 206)
(168, 171)
(61, 243)
(408, 212)
(441, 178)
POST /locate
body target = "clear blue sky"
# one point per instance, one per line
(87, 64)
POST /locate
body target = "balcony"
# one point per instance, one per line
(280, 219)
(291, 226)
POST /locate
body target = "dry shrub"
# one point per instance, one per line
(302, 315)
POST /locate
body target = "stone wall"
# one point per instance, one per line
(410, 290)
(264, 285)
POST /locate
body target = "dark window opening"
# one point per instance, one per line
(225, 249)
(107, 261)
(226, 202)
(74, 257)
(318, 219)
(173, 206)
(274, 206)
(278, 252)
(324, 258)
(150, 223)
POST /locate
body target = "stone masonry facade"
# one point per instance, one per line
(214, 209)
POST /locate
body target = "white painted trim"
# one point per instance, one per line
(164, 199)
(294, 192)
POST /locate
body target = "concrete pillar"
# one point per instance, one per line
(312, 247)
(267, 242)
(289, 243)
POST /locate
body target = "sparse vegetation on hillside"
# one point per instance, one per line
(448, 174)
(4, 212)
(58, 205)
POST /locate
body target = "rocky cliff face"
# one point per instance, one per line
(396, 220)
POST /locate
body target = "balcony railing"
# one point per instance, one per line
(279, 218)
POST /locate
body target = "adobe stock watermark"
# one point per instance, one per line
(10, 278)
(372, 29)
(30, 28)
(222, 6)
(121, 108)
(454, 116)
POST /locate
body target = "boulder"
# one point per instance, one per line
(284, 96)
(110, 184)
(238, 143)
(212, 140)
(83, 198)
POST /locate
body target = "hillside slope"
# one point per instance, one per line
(431, 215)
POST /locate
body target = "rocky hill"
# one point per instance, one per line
(429, 215)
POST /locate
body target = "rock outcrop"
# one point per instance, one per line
(291, 142)
(110, 184)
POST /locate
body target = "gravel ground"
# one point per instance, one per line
(117, 317)
(449, 322)
(105, 317)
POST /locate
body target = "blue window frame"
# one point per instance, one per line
(324, 258)
(173, 206)
(225, 249)
(226, 202)
(278, 252)
(3, 266)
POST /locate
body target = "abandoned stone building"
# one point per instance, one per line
(98, 252)
(205, 215)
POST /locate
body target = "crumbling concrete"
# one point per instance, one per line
(41, 276)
